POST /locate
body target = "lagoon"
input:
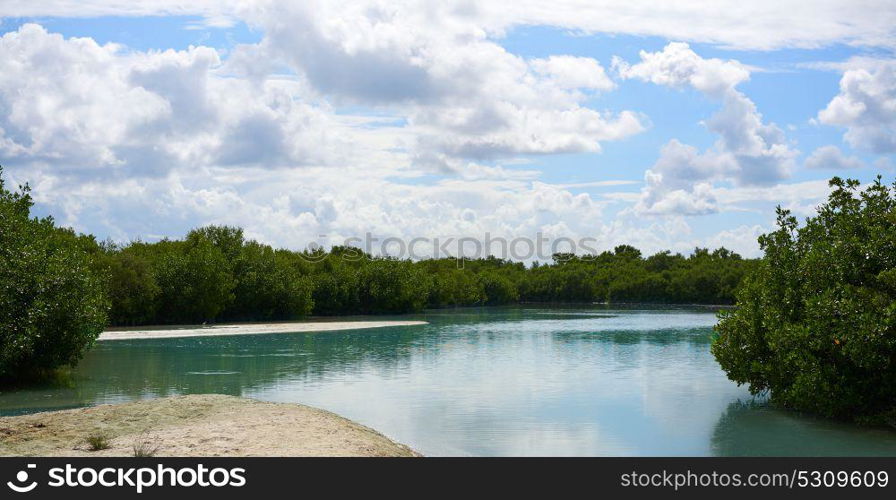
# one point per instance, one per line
(515, 381)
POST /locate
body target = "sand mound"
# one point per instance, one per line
(197, 425)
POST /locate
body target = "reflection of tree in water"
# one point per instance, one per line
(696, 337)
(125, 370)
(753, 428)
(238, 365)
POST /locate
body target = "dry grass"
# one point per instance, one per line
(145, 447)
(98, 441)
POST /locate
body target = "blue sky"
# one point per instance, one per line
(337, 120)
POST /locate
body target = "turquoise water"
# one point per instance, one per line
(497, 381)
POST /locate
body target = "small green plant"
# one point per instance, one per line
(98, 441)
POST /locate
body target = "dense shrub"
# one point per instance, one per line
(336, 291)
(392, 286)
(455, 287)
(214, 274)
(498, 289)
(267, 287)
(195, 280)
(132, 288)
(816, 322)
(52, 294)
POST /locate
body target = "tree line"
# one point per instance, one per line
(215, 274)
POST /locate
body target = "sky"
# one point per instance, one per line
(644, 123)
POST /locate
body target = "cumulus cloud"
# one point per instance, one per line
(149, 144)
(574, 72)
(866, 106)
(57, 98)
(747, 152)
(680, 182)
(76, 106)
(759, 151)
(742, 239)
(678, 66)
(830, 157)
(294, 207)
(463, 94)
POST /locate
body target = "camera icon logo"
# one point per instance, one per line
(21, 478)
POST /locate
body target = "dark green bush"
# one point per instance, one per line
(816, 322)
(498, 289)
(267, 286)
(132, 288)
(455, 287)
(195, 280)
(392, 286)
(52, 298)
(336, 290)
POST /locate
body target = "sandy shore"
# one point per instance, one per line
(197, 425)
(248, 329)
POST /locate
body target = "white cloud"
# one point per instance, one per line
(131, 143)
(866, 106)
(742, 239)
(94, 110)
(462, 132)
(830, 157)
(146, 112)
(678, 66)
(760, 151)
(679, 182)
(152, 143)
(748, 151)
(811, 191)
(760, 24)
(57, 98)
(885, 163)
(574, 72)
(464, 95)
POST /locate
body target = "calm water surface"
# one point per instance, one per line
(514, 381)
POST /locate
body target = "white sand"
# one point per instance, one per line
(195, 426)
(249, 329)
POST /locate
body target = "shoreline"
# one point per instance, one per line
(246, 329)
(205, 425)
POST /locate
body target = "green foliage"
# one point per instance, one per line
(452, 286)
(215, 274)
(625, 276)
(227, 239)
(98, 441)
(392, 286)
(195, 281)
(52, 291)
(498, 289)
(816, 322)
(267, 286)
(132, 288)
(336, 291)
